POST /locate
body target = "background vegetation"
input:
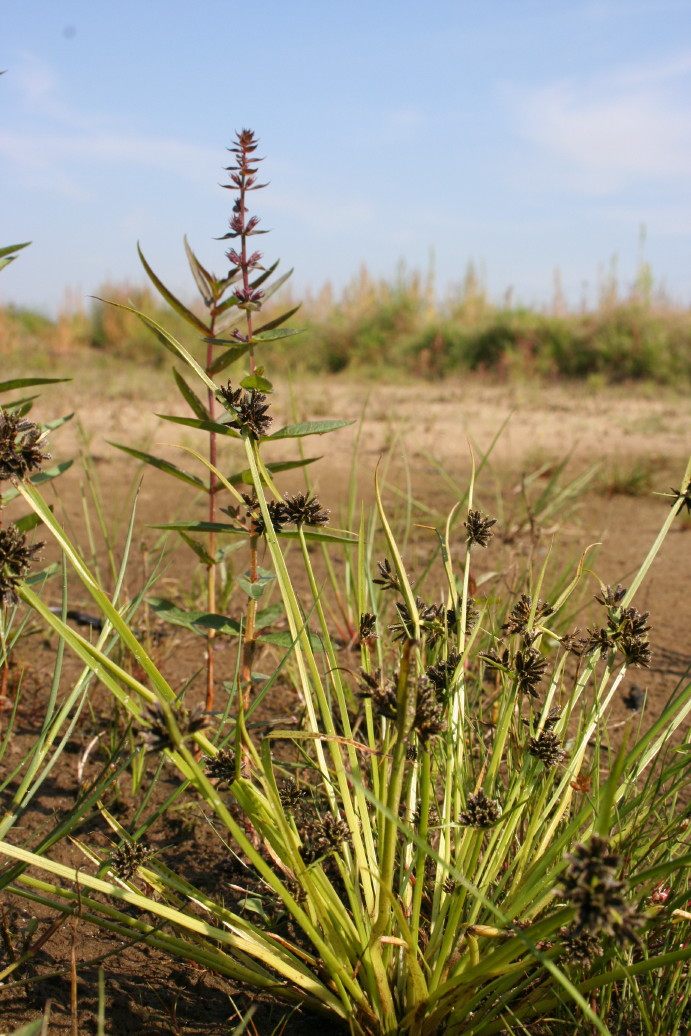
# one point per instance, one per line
(403, 326)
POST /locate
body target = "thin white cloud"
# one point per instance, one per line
(57, 155)
(60, 160)
(625, 128)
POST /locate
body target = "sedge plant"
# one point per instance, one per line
(449, 843)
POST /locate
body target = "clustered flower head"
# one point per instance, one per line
(368, 629)
(382, 693)
(388, 578)
(292, 795)
(298, 510)
(305, 510)
(527, 666)
(520, 615)
(436, 620)
(591, 885)
(15, 557)
(429, 719)
(479, 528)
(243, 177)
(480, 811)
(21, 446)
(131, 855)
(253, 513)
(157, 736)
(547, 747)
(580, 946)
(222, 766)
(626, 630)
(249, 410)
(320, 835)
(442, 673)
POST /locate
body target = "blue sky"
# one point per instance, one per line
(522, 135)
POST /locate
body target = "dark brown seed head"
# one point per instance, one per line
(480, 811)
(547, 747)
(591, 885)
(15, 558)
(248, 409)
(128, 857)
(21, 447)
(520, 616)
(305, 510)
(479, 528)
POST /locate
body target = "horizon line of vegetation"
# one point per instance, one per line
(402, 325)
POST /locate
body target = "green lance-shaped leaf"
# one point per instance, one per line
(57, 422)
(205, 426)
(15, 383)
(192, 620)
(162, 465)
(27, 522)
(297, 431)
(321, 535)
(263, 277)
(274, 336)
(273, 288)
(226, 358)
(191, 398)
(8, 249)
(37, 479)
(198, 548)
(276, 322)
(203, 279)
(167, 341)
(285, 639)
(245, 477)
(172, 301)
(5, 253)
(201, 527)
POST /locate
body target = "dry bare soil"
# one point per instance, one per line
(421, 435)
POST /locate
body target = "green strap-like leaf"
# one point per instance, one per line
(191, 398)
(228, 357)
(167, 341)
(8, 249)
(297, 431)
(198, 548)
(273, 336)
(317, 534)
(200, 527)
(172, 301)
(205, 426)
(276, 322)
(28, 522)
(192, 619)
(202, 277)
(15, 383)
(162, 465)
(272, 289)
(245, 477)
